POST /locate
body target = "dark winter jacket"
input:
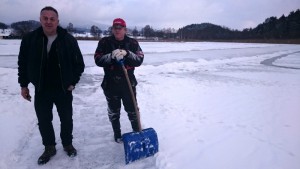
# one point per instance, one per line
(33, 57)
(112, 69)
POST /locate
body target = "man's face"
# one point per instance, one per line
(49, 21)
(119, 32)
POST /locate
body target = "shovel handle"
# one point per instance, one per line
(132, 96)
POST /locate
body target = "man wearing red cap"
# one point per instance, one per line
(109, 53)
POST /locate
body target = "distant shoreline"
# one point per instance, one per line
(273, 41)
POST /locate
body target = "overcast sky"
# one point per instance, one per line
(235, 14)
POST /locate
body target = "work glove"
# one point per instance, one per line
(118, 54)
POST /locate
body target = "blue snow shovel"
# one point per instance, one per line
(140, 144)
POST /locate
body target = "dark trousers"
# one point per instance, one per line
(115, 95)
(43, 103)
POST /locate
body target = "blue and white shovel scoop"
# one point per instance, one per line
(141, 144)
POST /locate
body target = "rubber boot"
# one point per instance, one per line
(135, 126)
(133, 120)
(117, 130)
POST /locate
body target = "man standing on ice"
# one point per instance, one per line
(110, 52)
(51, 60)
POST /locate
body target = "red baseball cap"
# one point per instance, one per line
(119, 21)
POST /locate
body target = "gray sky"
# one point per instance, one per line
(235, 14)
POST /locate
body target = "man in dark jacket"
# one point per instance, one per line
(51, 60)
(110, 51)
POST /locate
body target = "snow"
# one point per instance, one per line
(213, 105)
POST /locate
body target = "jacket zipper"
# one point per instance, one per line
(39, 89)
(59, 65)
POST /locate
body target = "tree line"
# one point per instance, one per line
(285, 27)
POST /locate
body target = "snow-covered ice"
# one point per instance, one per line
(213, 105)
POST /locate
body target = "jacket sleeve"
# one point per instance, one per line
(79, 63)
(22, 63)
(135, 55)
(102, 58)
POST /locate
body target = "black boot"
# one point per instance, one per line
(71, 151)
(117, 130)
(135, 126)
(118, 137)
(133, 120)
(48, 153)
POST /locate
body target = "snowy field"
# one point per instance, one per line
(213, 105)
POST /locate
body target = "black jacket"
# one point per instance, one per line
(134, 57)
(33, 56)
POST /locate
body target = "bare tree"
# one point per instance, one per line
(70, 28)
(95, 31)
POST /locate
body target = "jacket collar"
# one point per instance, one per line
(114, 39)
(60, 31)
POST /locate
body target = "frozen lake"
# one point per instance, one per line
(166, 52)
(213, 105)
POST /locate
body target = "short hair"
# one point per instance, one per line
(49, 8)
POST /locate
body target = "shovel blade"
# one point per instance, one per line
(139, 145)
